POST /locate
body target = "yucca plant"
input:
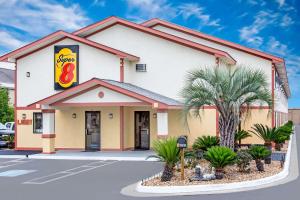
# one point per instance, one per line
(205, 142)
(219, 157)
(258, 153)
(241, 135)
(168, 152)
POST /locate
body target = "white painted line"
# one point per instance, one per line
(66, 173)
(14, 163)
(14, 173)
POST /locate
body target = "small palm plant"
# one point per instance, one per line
(267, 134)
(205, 142)
(219, 157)
(168, 152)
(241, 135)
(258, 153)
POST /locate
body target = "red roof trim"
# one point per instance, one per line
(154, 22)
(172, 38)
(73, 37)
(64, 95)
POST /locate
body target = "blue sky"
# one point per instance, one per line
(269, 25)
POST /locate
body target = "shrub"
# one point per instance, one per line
(264, 132)
(243, 160)
(220, 157)
(258, 153)
(168, 152)
(240, 135)
(205, 142)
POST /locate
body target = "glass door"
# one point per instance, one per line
(92, 130)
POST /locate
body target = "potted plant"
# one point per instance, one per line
(219, 157)
(168, 152)
(203, 143)
(267, 134)
(258, 153)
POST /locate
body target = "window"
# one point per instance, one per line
(140, 67)
(37, 122)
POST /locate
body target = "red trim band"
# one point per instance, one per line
(48, 135)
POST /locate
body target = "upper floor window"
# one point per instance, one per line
(37, 122)
(140, 67)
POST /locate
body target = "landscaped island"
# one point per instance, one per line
(209, 163)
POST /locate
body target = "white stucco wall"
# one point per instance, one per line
(281, 102)
(241, 57)
(109, 97)
(167, 62)
(40, 84)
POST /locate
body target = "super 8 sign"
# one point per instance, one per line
(66, 59)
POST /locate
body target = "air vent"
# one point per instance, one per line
(140, 67)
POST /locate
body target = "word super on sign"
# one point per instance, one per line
(66, 66)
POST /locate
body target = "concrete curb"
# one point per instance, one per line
(216, 188)
(53, 157)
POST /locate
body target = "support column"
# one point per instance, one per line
(122, 128)
(162, 123)
(48, 131)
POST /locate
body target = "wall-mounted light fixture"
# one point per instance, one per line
(74, 115)
(23, 116)
(154, 115)
(110, 115)
(27, 74)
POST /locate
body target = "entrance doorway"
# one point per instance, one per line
(142, 130)
(92, 130)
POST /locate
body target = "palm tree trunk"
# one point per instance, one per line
(227, 128)
(167, 173)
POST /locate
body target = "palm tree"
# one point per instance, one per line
(231, 89)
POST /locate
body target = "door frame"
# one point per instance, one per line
(135, 147)
(85, 129)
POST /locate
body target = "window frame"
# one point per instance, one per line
(34, 130)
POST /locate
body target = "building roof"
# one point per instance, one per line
(147, 93)
(58, 36)
(128, 89)
(279, 62)
(111, 21)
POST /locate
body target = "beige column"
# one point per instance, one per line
(162, 123)
(48, 131)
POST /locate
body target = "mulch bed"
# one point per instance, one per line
(231, 175)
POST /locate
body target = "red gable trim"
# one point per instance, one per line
(72, 92)
(73, 37)
(169, 37)
(155, 22)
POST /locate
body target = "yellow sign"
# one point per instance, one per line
(66, 66)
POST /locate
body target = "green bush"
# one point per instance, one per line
(264, 132)
(205, 142)
(243, 160)
(168, 152)
(258, 153)
(220, 157)
(240, 135)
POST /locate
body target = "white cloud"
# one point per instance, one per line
(100, 3)
(146, 9)
(188, 10)
(274, 46)
(286, 21)
(39, 17)
(280, 3)
(8, 41)
(250, 33)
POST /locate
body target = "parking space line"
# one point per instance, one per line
(67, 173)
(15, 162)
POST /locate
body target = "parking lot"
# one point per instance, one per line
(69, 179)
